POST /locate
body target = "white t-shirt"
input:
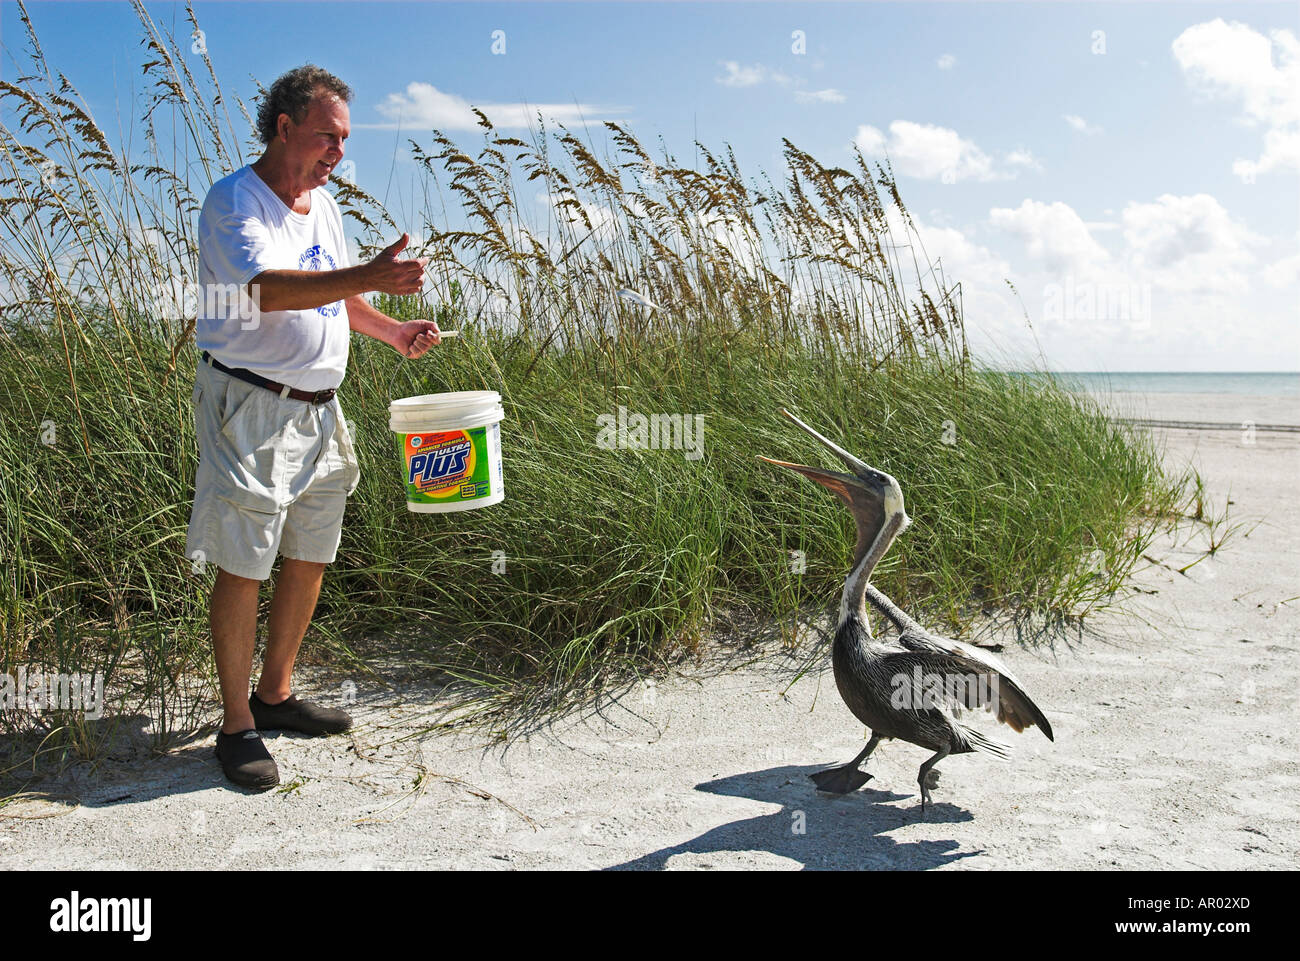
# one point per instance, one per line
(245, 229)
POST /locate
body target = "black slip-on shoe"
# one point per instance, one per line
(246, 761)
(292, 714)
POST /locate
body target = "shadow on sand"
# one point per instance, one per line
(125, 771)
(816, 830)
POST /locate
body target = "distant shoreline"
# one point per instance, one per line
(1253, 383)
(1208, 425)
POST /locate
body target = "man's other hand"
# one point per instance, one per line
(415, 337)
(392, 274)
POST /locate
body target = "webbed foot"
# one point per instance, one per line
(927, 781)
(840, 780)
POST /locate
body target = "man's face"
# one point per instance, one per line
(315, 146)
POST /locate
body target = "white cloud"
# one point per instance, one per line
(1178, 286)
(830, 95)
(739, 76)
(1284, 272)
(1053, 234)
(1233, 61)
(1153, 298)
(1281, 149)
(603, 219)
(961, 258)
(1079, 124)
(930, 152)
(1180, 243)
(424, 106)
(871, 140)
(994, 320)
(1023, 158)
(744, 244)
(1189, 243)
(946, 61)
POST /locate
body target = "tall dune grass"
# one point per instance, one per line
(815, 295)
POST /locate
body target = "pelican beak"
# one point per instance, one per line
(841, 484)
(862, 478)
(857, 467)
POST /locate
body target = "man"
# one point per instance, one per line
(276, 458)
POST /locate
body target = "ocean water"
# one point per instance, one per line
(1270, 384)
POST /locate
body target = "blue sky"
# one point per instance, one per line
(1140, 154)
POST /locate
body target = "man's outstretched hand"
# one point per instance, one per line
(415, 337)
(392, 274)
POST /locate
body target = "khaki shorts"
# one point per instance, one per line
(274, 476)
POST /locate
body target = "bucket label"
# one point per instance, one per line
(446, 465)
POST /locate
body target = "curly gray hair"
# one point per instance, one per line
(292, 93)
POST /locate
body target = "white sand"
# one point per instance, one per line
(1235, 409)
(1175, 747)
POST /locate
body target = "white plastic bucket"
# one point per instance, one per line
(450, 450)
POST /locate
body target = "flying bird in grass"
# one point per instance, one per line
(913, 687)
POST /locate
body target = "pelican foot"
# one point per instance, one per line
(927, 781)
(840, 780)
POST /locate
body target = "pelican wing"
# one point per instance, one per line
(1012, 705)
(896, 614)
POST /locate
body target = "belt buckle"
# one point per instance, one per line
(323, 396)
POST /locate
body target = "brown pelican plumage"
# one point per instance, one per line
(912, 687)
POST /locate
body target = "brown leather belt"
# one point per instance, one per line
(284, 390)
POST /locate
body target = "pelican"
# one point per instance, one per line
(911, 688)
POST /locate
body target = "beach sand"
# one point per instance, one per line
(1236, 410)
(1175, 722)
